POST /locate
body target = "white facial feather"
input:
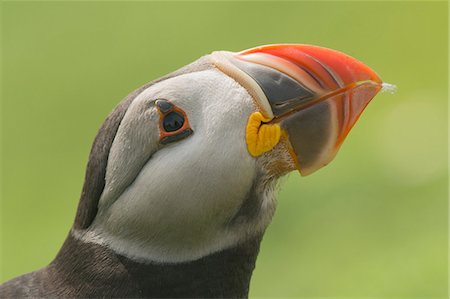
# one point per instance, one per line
(175, 202)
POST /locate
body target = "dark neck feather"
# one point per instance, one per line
(95, 271)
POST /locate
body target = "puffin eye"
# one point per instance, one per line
(173, 122)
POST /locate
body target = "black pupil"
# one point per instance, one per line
(173, 121)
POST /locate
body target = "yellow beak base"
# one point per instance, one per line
(261, 137)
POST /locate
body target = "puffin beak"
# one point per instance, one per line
(315, 94)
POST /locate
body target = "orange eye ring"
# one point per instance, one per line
(168, 129)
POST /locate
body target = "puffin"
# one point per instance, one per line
(181, 180)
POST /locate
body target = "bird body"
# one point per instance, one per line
(180, 182)
(88, 270)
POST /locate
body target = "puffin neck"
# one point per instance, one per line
(223, 274)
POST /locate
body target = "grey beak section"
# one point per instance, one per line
(309, 132)
(283, 93)
(309, 128)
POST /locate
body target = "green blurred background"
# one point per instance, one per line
(371, 224)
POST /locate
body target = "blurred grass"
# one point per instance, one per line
(371, 224)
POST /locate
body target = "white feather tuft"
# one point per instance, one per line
(387, 87)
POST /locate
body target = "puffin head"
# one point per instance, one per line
(187, 165)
